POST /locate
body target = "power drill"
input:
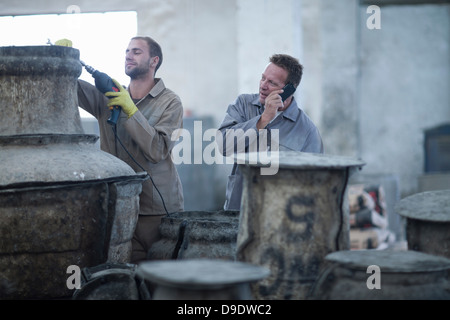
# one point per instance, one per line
(104, 84)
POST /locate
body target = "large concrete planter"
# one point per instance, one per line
(63, 202)
(197, 234)
(292, 219)
(382, 275)
(427, 221)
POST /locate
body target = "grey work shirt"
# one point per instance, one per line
(147, 136)
(297, 132)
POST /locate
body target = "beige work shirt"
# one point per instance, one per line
(147, 137)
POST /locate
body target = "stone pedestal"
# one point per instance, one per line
(382, 275)
(427, 221)
(197, 234)
(292, 219)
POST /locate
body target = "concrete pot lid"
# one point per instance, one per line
(426, 206)
(390, 261)
(298, 160)
(201, 273)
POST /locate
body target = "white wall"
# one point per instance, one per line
(371, 92)
(405, 85)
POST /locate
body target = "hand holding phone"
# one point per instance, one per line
(288, 90)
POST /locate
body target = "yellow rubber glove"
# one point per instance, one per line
(122, 99)
(64, 43)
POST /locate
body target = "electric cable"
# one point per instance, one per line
(114, 129)
(104, 84)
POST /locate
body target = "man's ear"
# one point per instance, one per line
(154, 62)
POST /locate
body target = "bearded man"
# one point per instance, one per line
(150, 114)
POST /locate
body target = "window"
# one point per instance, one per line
(102, 38)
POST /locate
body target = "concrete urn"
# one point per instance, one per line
(63, 202)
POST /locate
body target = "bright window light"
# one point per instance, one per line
(102, 38)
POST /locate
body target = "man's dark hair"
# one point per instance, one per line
(155, 49)
(291, 65)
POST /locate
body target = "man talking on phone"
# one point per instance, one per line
(273, 108)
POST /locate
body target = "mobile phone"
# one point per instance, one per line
(289, 89)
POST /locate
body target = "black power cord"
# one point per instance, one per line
(114, 128)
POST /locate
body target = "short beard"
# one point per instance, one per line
(137, 73)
